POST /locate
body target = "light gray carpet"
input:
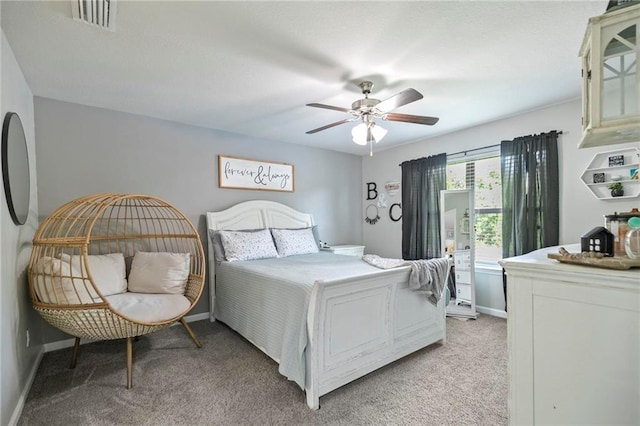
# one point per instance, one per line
(229, 382)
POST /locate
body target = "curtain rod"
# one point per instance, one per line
(495, 145)
(472, 150)
(487, 147)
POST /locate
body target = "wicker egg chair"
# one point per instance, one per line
(108, 224)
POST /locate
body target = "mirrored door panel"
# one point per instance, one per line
(456, 224)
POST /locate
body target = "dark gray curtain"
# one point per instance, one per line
(422, 181)
(530, 193)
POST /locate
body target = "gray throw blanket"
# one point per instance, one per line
(428, 276)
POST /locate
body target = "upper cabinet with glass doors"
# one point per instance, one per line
(610, 78)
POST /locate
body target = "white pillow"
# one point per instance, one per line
(160, 272)
(216, 242)
(239, 245)
(314, 229)
(294, 241)
(107, 270)
(53, 283)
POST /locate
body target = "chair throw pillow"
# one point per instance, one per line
(161, 272)
(53, 283)
(108, 271)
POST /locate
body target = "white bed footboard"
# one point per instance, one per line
(357, 325)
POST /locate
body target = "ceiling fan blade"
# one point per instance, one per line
(328, 126)
(399, 99)
(407, 118)
(329, 107)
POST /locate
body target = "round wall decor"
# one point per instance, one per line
(15, 168)
(372, 214)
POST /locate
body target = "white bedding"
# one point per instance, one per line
(267, 300)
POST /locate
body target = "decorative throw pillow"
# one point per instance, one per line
(107, 270)
(216, 243)
(159, 272)
(247, 245)
(313, 228)
(316, 234)
(54, 285)
(290, 242)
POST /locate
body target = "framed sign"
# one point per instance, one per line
(616, 160)
(392, 187)
(598, 177)
(243, 173)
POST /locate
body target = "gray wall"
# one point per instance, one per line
(19, 362)
(84, 150)
(580, 211)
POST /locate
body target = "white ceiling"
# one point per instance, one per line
(250, 67)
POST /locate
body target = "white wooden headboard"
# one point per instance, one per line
(254, 214)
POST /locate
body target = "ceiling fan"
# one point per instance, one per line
(368, 109)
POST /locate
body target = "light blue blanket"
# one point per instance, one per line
(428, 275)
(267, 300)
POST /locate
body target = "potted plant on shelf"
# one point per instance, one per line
(617, 189)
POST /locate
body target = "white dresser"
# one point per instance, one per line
(574, 342)
(348, 250)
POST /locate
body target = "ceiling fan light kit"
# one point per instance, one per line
(359, 134)
(364, 133)
(378, 132)
(368, 109)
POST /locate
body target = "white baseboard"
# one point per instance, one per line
(197, 317)
(61, 344)
(490, 311)
(17, 411)
(67, 343)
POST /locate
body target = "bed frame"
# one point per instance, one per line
(355, 325)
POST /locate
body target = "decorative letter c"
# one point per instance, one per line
(395, 219)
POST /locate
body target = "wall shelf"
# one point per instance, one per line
(612, 168)
(599, 165)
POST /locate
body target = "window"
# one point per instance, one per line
(483, 175)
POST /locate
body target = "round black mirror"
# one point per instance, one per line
(15, 168)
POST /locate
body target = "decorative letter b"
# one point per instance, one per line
(371, 188)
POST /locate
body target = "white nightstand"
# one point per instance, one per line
(346, 250)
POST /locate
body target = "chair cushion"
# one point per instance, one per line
(149, 308)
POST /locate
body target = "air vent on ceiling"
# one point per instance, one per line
(99, 13)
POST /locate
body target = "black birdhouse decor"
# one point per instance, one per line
(598, 240)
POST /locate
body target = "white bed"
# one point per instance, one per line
(354, 325)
